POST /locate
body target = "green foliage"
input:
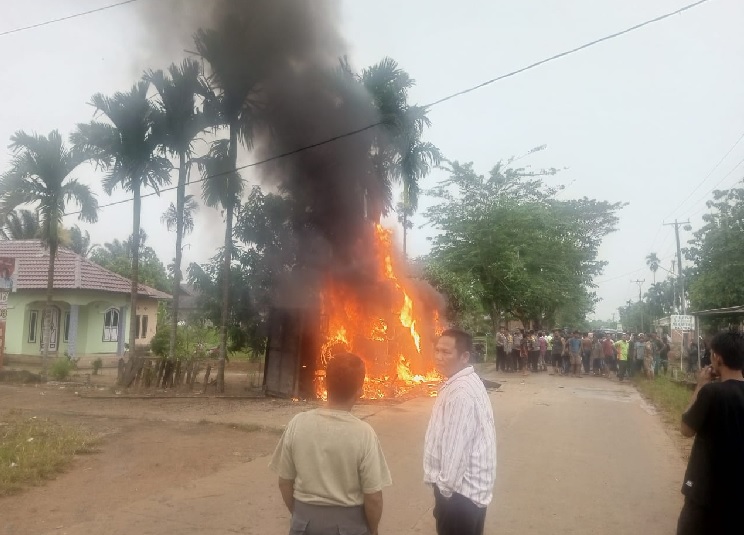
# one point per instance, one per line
(116, 256)
(61, 368)
(78, 241)
(521, 250)
(97, 364)
(716, 251)
(21, 225)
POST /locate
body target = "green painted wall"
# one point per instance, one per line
(90, 323)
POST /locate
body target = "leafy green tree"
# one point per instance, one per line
(125, 145)
(116, 256)
(716, 277)
(21, 224)
(177, 122)
(531, 255)
(41, 173)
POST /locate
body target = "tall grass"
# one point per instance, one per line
(670, 397)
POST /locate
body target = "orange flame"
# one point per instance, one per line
(384, 328)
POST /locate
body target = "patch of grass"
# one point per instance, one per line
(35, 449)
(668, 396)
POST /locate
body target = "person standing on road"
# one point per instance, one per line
(501, 350)
(460, 444)
(664, 355)
(330, 464)
(517, 350)
(574, 351)
(608, 355)
(640, 353)
(556, 352)
(714, 480)
(622, 347)
(586, 352)
(542, 342)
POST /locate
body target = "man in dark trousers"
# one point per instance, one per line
(714, 480)
(460, 444)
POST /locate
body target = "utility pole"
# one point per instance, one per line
(682, 299)
(640, 299)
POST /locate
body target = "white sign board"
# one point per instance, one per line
(682, 323)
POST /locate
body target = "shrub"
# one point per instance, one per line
(97, 364)
(61, 369)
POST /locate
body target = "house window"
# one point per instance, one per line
(140, 326)
(33, 321)
(66, 331)
(111, 325)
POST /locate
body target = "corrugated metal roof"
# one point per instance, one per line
(71, 271)
(730, 311)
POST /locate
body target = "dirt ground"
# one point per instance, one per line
(580, 456)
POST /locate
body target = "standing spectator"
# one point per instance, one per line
(501, 350)
(715, 472)
(586, 351)
(574, 350)
(556, 352)
(608, 354)
(692, 358)
(517, 350)
(460, 444)
(631, 354)
(664, 355)
(658, 345)
(533, 354)
(524, 354)
(597, 355)
(508, 350)
(330, 464)
(542, 343)
(649, 357)
(640, 353)
(622, 348)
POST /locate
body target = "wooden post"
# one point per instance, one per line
(206, 378)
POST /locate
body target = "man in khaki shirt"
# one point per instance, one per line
(330, 464)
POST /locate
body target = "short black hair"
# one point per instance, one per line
(730, 347)
(463, 340)
(344, 377)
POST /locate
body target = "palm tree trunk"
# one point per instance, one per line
(180, 200)
(405, 233)
(135, 272)
(47, 321)
(225, 299)
(233, 154)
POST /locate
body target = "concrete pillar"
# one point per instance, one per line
(72, 335)
(121, 336)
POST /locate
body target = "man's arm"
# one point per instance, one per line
(373, 510)
(286, 487)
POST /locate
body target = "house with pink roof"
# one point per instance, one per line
(90, 312)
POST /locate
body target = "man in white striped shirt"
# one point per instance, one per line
(460, 446)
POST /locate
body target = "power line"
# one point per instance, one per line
(718, 184)
(430, 105)
(68, 17)
(240, 168)
(568, 52)
(706, 177)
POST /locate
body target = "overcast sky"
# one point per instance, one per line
(643, 118)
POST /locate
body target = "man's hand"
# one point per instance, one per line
(705, 376)
(286, 487)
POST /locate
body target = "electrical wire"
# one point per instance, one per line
(68, 17)
(705, 207)
(430, 105)
(706, 177)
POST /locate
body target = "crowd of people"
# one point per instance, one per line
(599, 353)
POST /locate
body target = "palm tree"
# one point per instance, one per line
(170, 216)
(40, 174)
(399, 154)
(653, 261)
(178, 121)
(236, 83)
(21, 225)
(78, 241)
(126, 146)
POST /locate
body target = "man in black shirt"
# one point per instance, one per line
(714, 480)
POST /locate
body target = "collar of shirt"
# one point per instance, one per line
(462, 373)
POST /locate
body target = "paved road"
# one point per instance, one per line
(579, 456)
